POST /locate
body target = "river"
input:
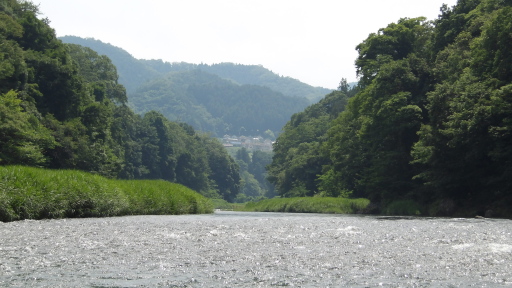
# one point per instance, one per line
(237, 249)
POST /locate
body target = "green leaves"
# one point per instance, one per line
(99, 72)
(298, 158)
(23, 139)
(432, 118)
(395, 42)
(461, 151)
(491, 53)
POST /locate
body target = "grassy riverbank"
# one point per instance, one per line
(309, 205)
(33, 193)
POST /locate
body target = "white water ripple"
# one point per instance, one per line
(235, 249)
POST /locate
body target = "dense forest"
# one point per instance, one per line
(61, 107)
(429, 125)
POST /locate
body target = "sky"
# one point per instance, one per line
(313, 41)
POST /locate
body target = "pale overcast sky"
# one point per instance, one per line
(313, 41)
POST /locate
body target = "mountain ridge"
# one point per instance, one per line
(240, 99)
(238, 73)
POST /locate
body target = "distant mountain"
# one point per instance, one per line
(249, 74)
(134, 72)
(221, 99)
(210, 103)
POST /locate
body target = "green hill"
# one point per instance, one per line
(221, 98)
(210, 103)
(134, 72)
(248, 74)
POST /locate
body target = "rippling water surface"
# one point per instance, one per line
(235, 249)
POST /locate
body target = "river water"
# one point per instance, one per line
(237, 249)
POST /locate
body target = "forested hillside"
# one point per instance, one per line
(298, 159)
(430, 128)
(61, 107)
(134, 72)
(210, 103)
(248, 74)
(219, 99)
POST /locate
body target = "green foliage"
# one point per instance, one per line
(23, 138)
(309, 205)
(61, 107)
(243, 155)
(250, 186)
(297, 159)
(224, 171)
(370, 143)
(158, 197)
(132, 72)
(99, 72)
(465, 149)
(34, 193)
(395, 42)
(430, 120)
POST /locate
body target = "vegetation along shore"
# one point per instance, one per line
(34, 193)
(309, 205)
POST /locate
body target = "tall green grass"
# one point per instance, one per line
(33, 193)
(309, 205)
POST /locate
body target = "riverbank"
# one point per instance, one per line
(309, 205)
(34, 193)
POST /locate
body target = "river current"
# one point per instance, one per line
(237, 249)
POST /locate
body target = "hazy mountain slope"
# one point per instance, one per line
(258, 75)
(134, 72)
(194, 94)
(248, 74)
(210, 103)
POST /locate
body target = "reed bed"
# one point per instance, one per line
(309, 205)
(35, 193)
